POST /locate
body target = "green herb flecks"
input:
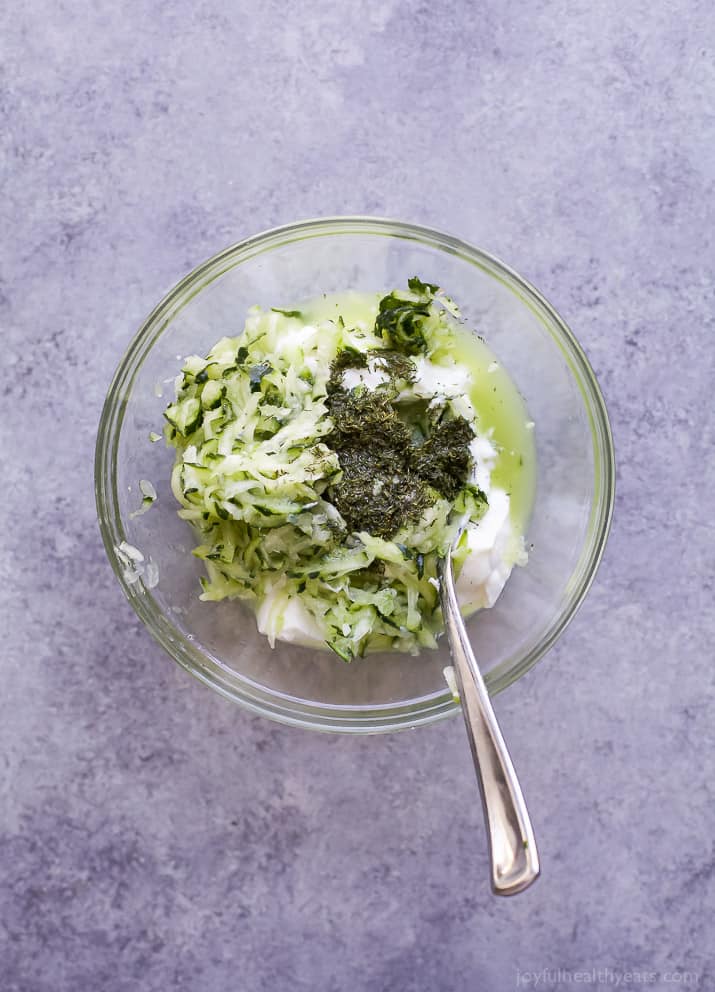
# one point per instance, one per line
(398, 367)
(390, 472)
(347, 358)
(444, 460)
(378, 491)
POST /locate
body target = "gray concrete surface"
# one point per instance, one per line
(155, 837)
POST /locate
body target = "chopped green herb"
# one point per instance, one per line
(398, 366)
(347, 358)
(386, 478)
(444, 460)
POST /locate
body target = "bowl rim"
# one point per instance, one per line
(208, 668)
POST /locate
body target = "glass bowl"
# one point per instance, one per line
(218, 642)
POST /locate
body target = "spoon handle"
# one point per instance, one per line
(512, 848)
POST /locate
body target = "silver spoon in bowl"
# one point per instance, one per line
(512, 847)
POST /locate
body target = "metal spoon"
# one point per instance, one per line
(512, 848)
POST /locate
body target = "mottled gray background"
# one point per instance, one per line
(155, 837)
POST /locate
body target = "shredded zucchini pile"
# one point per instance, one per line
(260, 426)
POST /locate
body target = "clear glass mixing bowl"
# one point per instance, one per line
(218, 642)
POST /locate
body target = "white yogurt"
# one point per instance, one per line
(490, 559)
(370, 377)
(440, 380)
(285, 617)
